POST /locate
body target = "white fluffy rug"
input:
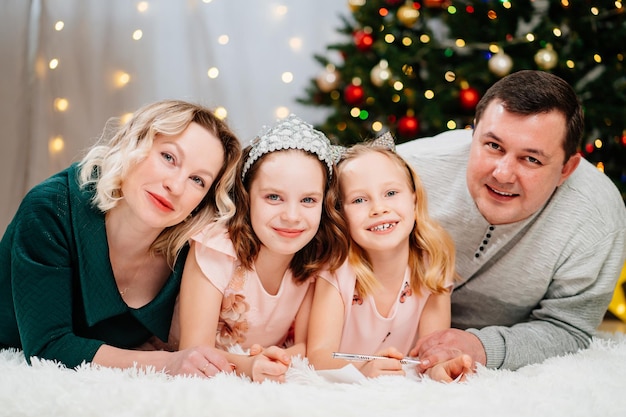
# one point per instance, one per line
(589, 383)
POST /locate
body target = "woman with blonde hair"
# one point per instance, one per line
(90, 266)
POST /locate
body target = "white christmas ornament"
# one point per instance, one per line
(546, 58)
(380, 74)
(500, 64)
(328, 80)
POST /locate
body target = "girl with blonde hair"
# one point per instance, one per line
(395, 285)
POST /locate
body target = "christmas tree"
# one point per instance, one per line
(417, 68)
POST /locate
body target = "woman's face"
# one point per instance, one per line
(164, 188)
(286, 199)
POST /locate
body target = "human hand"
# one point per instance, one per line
(154, 343)
(269, 364)
(203, 361)
(255, 349)
(452, 370)
(378, 367)
(443, 345)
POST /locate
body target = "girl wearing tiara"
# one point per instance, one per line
(396, 282)
(250, 281)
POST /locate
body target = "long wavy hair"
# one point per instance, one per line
(120, 148)
(328, 248)
(431, 248)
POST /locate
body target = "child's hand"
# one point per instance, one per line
(269, 364)
(255, 349)
(452, 370)
(378, 367)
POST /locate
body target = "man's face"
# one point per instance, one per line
(516, 162)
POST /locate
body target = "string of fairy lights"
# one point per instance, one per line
(122, 78)
(498, 61)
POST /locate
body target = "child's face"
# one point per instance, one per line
(286, 198)
(378, 203)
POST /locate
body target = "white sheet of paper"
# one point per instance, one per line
(349, 374)
(346, 375)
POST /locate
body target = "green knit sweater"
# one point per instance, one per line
(58, 297)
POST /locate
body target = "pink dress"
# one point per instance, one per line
(365, 330)
(249, 314)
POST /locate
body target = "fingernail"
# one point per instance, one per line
(425, 362)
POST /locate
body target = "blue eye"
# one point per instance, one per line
(358, 200)
(168, 157)
(273, 197)
(198, 181)
(391, 193)
(534, 160)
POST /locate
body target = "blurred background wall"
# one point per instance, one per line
(67, 66)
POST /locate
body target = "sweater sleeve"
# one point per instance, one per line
(569, 314)
(42, 278)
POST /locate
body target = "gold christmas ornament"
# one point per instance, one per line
(500, 64)
(618, 303)
(355, 4)
(407, 15)
(380, 74)
(546, 58)
(328, 80)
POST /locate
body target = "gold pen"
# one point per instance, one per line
(355, 357)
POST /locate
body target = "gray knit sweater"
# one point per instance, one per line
(533, 289)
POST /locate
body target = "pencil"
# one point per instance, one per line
(355, 357)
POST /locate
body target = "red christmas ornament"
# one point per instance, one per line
(433, 3)
(469, 98)
(589, 147)
(408, 126)
(353, 94)
(363, 40)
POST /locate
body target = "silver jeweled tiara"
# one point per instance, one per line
(290, 133)
(385, 141)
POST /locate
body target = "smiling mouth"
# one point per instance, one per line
(501, 193)
(381, 227)
(161, 203)
(289, 232)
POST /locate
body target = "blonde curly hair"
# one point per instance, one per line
(107, 163)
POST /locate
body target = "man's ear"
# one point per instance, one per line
(569, 167)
